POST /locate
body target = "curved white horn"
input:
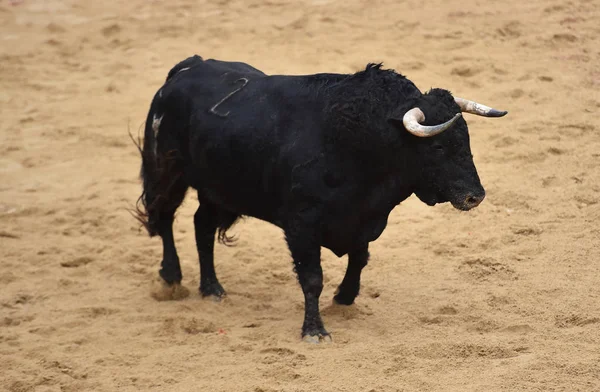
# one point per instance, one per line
(477, 108)
(414, 117)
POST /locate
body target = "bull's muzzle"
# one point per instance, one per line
(470, 201)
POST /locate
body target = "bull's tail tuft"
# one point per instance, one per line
(225, 222)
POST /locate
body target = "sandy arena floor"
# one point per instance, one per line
(503, 298)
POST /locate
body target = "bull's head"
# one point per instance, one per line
(441, 152)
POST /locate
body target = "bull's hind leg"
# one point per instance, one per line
(164, 187)
(206, 221)
(170, 271)
(350, 286)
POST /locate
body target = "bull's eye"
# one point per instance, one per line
(438, 147)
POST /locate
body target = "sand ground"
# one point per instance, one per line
(503, 298)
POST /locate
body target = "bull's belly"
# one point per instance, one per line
(241, 197)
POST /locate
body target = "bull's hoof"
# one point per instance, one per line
(163, 291)
(316, 339)
(345, 295)
(214, 298)
(344, 299)
(318, 336)
(213, 291)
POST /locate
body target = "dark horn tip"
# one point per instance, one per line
(497, 113)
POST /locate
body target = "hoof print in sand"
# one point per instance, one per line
(518, 329)
(574, 320)
(484, 269)
(77, 262)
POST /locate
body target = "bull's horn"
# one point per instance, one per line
(414, 117)
(477, 108)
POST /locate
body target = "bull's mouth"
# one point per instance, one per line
(465, 202)
(462, 206)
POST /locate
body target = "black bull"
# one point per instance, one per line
(325, 157)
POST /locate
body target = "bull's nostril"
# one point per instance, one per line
(473, 200)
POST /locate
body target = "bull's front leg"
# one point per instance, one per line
(306, 252)
(350, 286)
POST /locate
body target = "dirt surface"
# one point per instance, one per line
(503, 298)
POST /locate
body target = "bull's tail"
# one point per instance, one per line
(148, 175)
(161, 175)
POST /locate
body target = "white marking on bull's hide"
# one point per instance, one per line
(156, 123)
(160, 93)
(183, 69)
(155, 128)
(213, 109)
